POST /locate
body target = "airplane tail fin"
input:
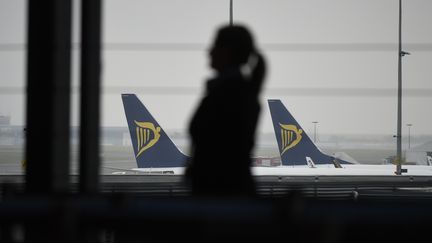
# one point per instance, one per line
(152, 146)
(295, 146)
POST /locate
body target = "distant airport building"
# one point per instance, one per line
(4, 120)
(115, 136)
(265, 161)
(9, 135)
(421, 154)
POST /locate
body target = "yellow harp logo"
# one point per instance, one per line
(290, 136)
(147, 135)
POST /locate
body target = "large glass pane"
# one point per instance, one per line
(333, 64)
(158, 51)
(12, 80)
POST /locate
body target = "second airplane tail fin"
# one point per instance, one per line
(152, 146)
(295, 146)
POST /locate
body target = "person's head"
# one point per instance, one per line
(232, 47)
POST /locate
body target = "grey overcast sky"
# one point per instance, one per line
(332, 61)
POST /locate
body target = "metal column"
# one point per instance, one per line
(48, 96)
(90, 95)
(48, 116)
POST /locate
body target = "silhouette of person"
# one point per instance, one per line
(222, 129)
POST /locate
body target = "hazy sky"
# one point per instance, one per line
(332, 61)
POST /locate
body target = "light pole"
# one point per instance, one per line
(409, 125)
(231, 12)
(315, 125)
(401, 53)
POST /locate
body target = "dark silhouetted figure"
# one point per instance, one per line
(223, 127)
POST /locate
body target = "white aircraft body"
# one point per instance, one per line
(304, 170)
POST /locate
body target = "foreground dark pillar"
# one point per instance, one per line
(48, 116)
(90, 95)
(48, 96)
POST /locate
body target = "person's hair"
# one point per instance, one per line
(238, 40)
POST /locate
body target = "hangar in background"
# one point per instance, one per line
(421, 154)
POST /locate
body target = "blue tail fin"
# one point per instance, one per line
(152, 146)
(295, 146)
